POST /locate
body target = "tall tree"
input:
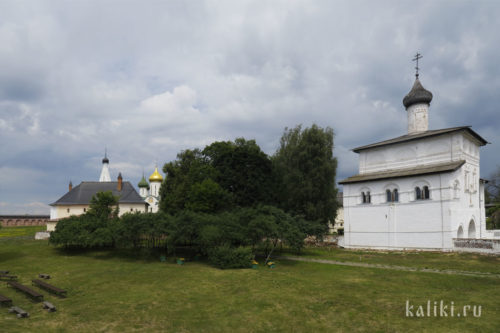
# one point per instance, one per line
(190, 168)
(104, 206)
(492, 194)
(242, 169)
(306, 168)
(493, 187)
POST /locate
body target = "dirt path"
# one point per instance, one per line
(396, 268)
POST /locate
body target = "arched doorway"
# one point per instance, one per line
(460, 232)
(472, 229)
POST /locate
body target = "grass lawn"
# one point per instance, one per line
(115, 291)
(420, 259)
(8, 232)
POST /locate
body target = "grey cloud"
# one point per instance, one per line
(81, 72)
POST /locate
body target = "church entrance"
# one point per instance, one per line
(472, 229)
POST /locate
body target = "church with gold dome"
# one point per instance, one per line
(150, 192)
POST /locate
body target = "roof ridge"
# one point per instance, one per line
(406, 172)
(411, 137)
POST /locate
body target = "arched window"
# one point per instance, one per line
(365, 197)
(418, 193)
(472, 230)
(388, 195)
(425, 192)
(392, 196)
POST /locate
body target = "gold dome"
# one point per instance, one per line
(155, 176)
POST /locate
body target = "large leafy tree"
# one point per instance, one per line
(306, 168)
(104, 206)
(95, 228)
(242, 169)
(222, 176)
(190, 168)
(493, 199)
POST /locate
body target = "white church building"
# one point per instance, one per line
(418, 191)
(151, 192)
(77, 200)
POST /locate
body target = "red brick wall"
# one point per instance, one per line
(23, 220)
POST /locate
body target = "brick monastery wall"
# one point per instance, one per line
(23, 220)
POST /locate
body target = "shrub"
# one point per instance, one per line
(230, 257)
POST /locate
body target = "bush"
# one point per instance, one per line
(230, 257)
(340, 231)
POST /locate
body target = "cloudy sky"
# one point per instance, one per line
(147, 79)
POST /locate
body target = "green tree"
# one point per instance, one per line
(493, 187)
(223, 175)
(305, 167)
(190, 168)
(243, 170)
(96, 228)
(493, 217)
(208, 197)
(104, 206)
(492, 196)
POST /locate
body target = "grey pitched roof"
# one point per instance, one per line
(417, 94)
(81, 194)
(426, 134)
(414, 171)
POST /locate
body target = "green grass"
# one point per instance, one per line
(9, 232)
(120, 292)
(419, 259)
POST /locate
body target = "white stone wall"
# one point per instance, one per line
(132, 208)
(143, 192)
(411, 223)
(155, 188)
(440, 149)
(105, 177)
(60, 212)
(418, 119)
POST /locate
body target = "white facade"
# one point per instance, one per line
(151, 192)
(411, 223)
(105, 176)
(155, 188)
(63, 211)
(418, 118)
(385, 206)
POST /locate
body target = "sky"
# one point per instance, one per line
(148, 79)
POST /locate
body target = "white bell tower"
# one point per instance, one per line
(417, 104)
(105, 177)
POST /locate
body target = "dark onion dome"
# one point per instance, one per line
(417, 94)
(143, 182)
(105, 160)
